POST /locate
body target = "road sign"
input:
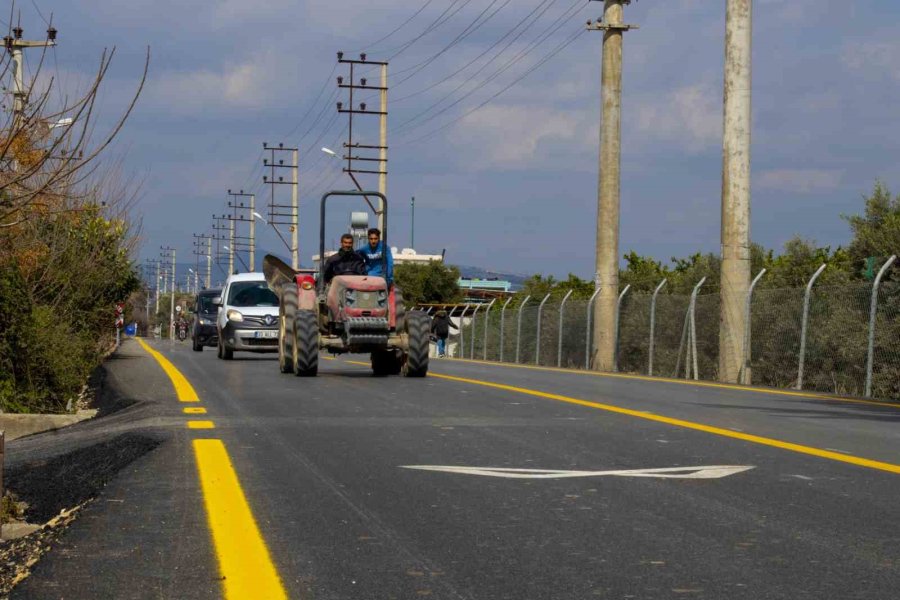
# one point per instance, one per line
(178, 308)
(707, 472)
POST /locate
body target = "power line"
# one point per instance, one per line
(540, 39)
(474, 60)
(469, 30)
(531, 70)
(398, 28)
(314, 102)
(442, 18)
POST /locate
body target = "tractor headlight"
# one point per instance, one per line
(235, 316)
(382, 298)
(350, 296)
(206, 322)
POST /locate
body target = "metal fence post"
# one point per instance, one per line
(587, 335)
(873, 308)
(487, 320)
(745, 375)
(502, 324)
(616, 338)
(519, 327)
(653, 325)
(693, 320)
(472, 341)
(462, 339)
(562, 305)
(803, 325)
(537, 348)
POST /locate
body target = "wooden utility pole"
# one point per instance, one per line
(607, 249)
(735, 271)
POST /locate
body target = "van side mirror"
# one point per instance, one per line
(217, 301)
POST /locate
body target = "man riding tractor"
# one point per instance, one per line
(346, 313)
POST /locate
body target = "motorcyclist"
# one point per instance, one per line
(372, 253)
(347, 261)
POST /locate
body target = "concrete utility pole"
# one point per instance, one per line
(412, 223)
(277, 215)
(14, 46)
(208, 262)
(200, 241)
(607, 251)
(156, 304)
(382, 141)
(352, 110)
(171, 251)
(735, 190)
(247, 242)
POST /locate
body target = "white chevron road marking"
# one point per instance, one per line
(703, 472)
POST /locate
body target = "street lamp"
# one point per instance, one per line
(260, 217)
(329, 152)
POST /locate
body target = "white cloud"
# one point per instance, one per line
(803, 181)
(690, 116)
(252, 84)
(511, 135)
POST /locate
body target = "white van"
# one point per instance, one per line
(247, 318)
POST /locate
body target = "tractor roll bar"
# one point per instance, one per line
(320, 284)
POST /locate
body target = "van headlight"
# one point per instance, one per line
(235, 316)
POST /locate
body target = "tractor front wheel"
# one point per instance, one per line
(418, 330)
(286, 313)
(306, 344)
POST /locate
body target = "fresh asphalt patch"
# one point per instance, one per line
(56, 474)
(49, 486)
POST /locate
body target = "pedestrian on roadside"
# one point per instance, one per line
(440, 327)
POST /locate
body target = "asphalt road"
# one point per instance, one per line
(322, 464)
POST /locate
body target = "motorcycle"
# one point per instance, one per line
(182, 332)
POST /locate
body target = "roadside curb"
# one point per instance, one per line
(17, 426)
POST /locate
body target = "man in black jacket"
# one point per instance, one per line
(440, 327)
(346, 262)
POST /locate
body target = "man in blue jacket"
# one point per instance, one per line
(372, 255)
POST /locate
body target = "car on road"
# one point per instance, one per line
(203, 329)
(247, 318)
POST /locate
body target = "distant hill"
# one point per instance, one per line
(480, 273)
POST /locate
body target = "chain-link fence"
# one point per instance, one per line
(842, 354)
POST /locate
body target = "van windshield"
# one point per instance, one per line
(251, 293)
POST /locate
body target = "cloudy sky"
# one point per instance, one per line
(510, 186)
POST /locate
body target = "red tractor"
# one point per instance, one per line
(353, 313)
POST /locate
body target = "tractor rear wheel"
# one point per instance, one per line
(305, 350)
(286, 313)
(418, 330)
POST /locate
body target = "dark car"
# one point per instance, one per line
(203, 330)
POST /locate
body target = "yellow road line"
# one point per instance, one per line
(244, 561)
(194, 410)
(201, 425)
(706, 384)
(854, 460)
(183, 389)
